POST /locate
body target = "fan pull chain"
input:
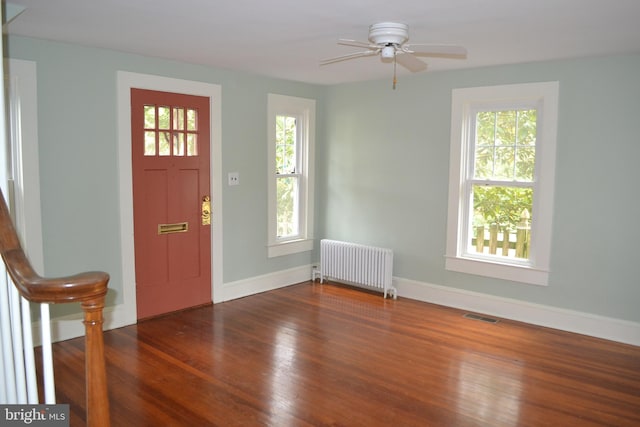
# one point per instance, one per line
(395, 80)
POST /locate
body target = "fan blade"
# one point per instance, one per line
(436, 50)
(348, 56)
(410, 62)
(355, 43)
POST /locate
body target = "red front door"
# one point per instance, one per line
(170, 160)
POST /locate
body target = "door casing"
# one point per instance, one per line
(125, 312)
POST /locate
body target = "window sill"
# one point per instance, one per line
(291, 247)
(487, 268)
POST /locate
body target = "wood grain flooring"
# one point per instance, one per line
(329, 355)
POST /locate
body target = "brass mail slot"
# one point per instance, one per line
(179, 227)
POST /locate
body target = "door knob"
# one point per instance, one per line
(206, 210)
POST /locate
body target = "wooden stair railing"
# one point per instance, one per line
(89, 289)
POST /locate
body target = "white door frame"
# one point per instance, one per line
(126, 313)
(25, 163)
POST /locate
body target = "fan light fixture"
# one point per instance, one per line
(388, 52)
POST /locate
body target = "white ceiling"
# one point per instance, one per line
(287, 38)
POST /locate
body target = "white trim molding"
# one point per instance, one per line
(536, 314)
(304, 110)
(608, 328)
(465, 105)
(23, 121)
(126, 81)
(266, 282)
(71, 326)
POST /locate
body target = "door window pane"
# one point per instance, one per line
(192, 116)
(192, 144)
(164, 143)
(175, 129)
(164, 115)
(149, 143)
(178, 144)
(178, 118)
(149, 116)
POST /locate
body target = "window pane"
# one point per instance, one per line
(505, 127)
(191, 119)
(178, 118)
(149, 143)
(178, 144)
(504, 159)
(485, 128)
(164, 114)
(287, 206)
(192, 144)
(149, 116)
(285, 145)
(525, 161)
(501, 221)
(484, 162)
(527, 120)
(505, 145)
(164, 143)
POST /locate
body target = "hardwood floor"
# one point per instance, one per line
(327, 355)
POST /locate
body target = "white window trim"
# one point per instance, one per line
(305, 109)
(465, 102)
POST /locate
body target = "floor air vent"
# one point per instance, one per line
(481, 318)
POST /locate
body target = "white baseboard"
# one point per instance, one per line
(266, 282)
(71, 326)
(624, 331)
(542, 315)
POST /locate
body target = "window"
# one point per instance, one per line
(501, 181)
(290, 181)
(167, 130)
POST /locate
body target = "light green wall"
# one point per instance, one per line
(77, 125)
(382, 170)
(385, 164)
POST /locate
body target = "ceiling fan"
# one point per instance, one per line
(389, 40)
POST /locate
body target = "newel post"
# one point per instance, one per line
(96, 376)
